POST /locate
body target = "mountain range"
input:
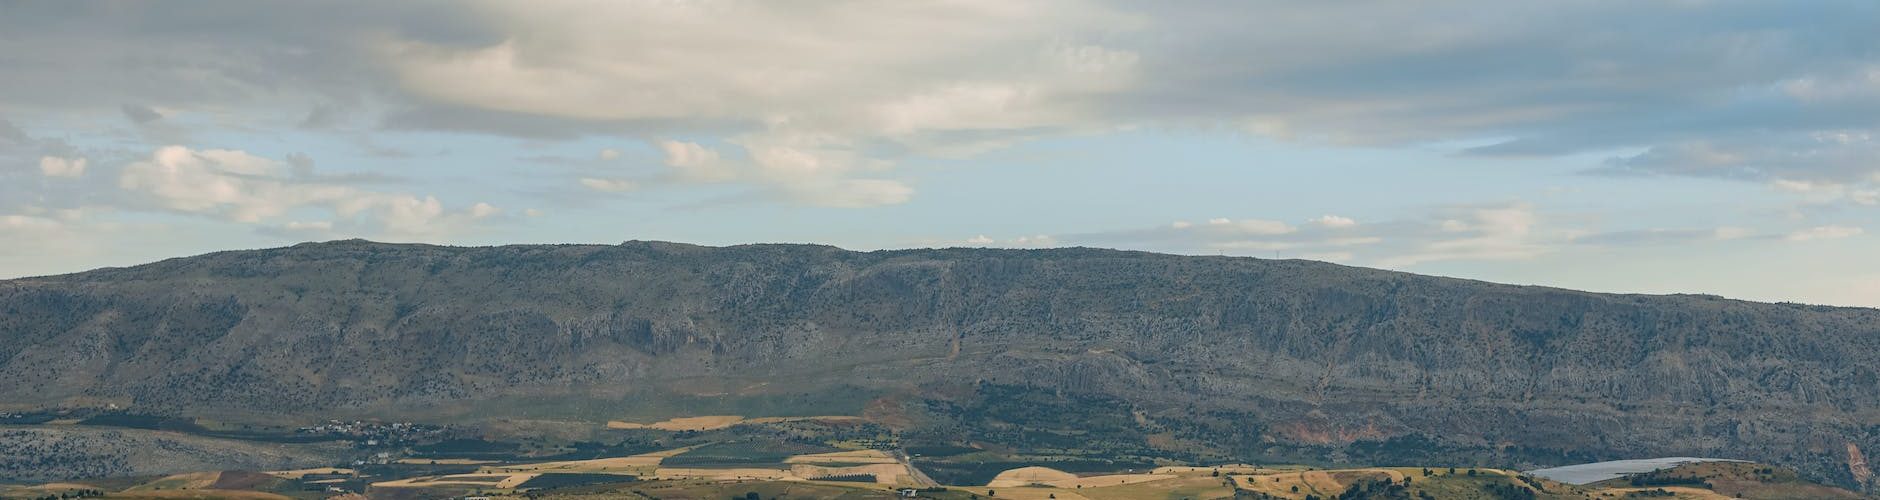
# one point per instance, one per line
(1226, 357)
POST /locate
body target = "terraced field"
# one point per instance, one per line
(815, 472)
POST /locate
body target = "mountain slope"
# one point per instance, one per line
(1260, 356)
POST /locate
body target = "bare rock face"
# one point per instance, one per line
(1857, 466)
(1292, 355)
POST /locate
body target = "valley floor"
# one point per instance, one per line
(869, 473)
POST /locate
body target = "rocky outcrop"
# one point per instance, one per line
(1857, 466)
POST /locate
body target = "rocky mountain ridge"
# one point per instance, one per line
(1257, 357)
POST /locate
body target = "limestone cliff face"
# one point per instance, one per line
(1315, 353)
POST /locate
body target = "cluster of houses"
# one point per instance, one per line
(876, 444)
(372, 434)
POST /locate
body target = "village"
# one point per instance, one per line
(375, 434)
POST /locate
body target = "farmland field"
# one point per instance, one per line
(744, 453)
(811, 458)
(844, 457)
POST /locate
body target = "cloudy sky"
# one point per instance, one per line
(1639, 146)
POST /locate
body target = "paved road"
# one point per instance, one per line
(920, 478)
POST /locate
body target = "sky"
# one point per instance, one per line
(1649, 146)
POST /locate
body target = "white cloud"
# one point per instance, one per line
(1250, 227)
(407, 214)
(1819, 167)
(42, 240)
(227, 183)
(1823, 192)
(1028, 241)
(1731, 233)
(1335, 221)
(1265, 227)
(1793, 186)
(694, 162)
(1459, 233)
(822, 93)
(607, 185)
(53, 166)
(1862, 83)
(1041, 240)
(25, 222)
(481, 210)
(318, 226)
(1489, 233)
(791, 156)
(38, 244)
(826, 68)
(1824, 233)
(1864, 196)
(609, 154)
(1471, 233)
(850, 193)
(819, 95)
(242, 187)
(894, 78)
(1262, 228)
